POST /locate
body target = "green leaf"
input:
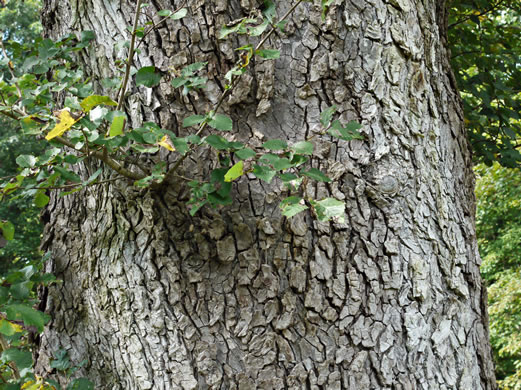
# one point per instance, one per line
(40, 199)
(164, 12)
(317, 175)
(22, 359)
(268, 54)
(282, 163)
(95, 100)
(179, 14)
(258, 30)
(264, 173)
(189, 70)
(234, 172)
(245, 153)
(179, 82)
(303, 147)
(87, 36)
(26, 161)
(329, 208)
(347, 133)
(275, 144)
(61, 361)
(30, 316)
(116, 127)
(145, 149)
(148, 77)
(68, 175)
(193, 120)
(31, 125)
(7, 230)
(292, 206)
(327, 115)
(92, 178)
(217, 142)
(221, 122)
(180, 144)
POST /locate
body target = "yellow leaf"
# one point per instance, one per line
(165, 143)
(8, 328)
(234, 172)
(65, 123)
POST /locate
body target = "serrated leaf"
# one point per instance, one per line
(347, 133)
(264, 173)
(317, 175)
(189, 70)
(292, 206)
(40, 199)
(116, 127)
(148, 77)
(179, 14)
(303, 147)
(180, 144)
(217, 142)
(268, 54)
(26, 161)
(329, 208)
(245, 153)
(22, 359)
(30, 316)
(221, 122)
(92, 101)
(234, 172)
(66, 121)
(282, 163)
(193, 120)
(9, 328)
(327, 115)
(275, 144)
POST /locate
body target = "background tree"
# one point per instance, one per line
(239, 296)
(499, 231)
(19, 24)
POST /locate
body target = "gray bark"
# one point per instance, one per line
(240, 298)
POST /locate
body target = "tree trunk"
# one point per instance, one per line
(241, 298)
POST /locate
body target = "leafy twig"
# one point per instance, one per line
(170, 174)
(123, 89)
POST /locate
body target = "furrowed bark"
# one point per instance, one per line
(240, 298)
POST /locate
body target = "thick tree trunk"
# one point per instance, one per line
(240, 298)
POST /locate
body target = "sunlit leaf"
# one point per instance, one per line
(66, 121)
(95, 100)
(234, 172)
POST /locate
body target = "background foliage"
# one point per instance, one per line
(485, 37)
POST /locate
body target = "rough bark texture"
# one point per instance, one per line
(240, 298)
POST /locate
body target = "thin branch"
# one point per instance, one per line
(75, 185)
(104, 157)
(131, 51)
